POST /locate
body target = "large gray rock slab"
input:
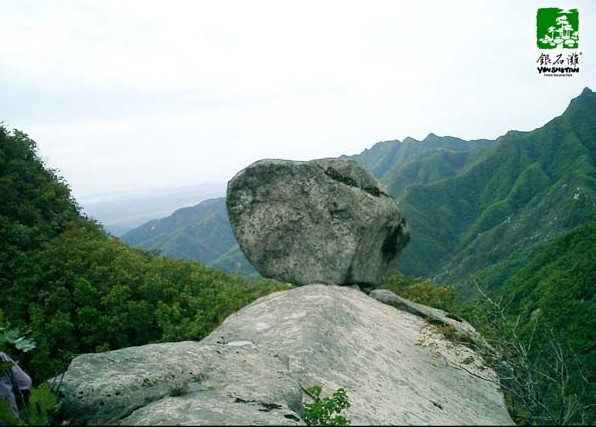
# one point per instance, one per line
(187, 382)
(397, 369)
(461, 329)
(324, 221)
(434, 315)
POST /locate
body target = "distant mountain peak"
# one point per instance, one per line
(585, 101)
(430, 136)
(409, 139)
(587, 94)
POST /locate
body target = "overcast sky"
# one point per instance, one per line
(123, 94)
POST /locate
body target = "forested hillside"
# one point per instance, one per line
(482, 207)
(543, 319)
(477, 208)
(200, 232)
(514, 218)
(400, 164)
(76, 290)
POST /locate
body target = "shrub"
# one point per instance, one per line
(321, 411)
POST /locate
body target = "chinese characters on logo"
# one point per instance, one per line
(571, 60)
(558, 29)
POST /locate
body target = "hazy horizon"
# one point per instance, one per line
(131, 96)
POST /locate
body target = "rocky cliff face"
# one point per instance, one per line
(396, 368)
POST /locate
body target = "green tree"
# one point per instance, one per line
(79, 290)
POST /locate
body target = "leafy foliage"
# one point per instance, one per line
(12, 337)
(79, 290)
(7, 415)
(322, 411)
(41, 406)
(41, 403)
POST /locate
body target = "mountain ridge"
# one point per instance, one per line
(524, 177)
(79, 290)
(474, 205)
(200, 232)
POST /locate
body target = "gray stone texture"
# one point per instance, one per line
(396, 367)
(324, 221)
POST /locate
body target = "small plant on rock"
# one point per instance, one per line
(322, 411)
